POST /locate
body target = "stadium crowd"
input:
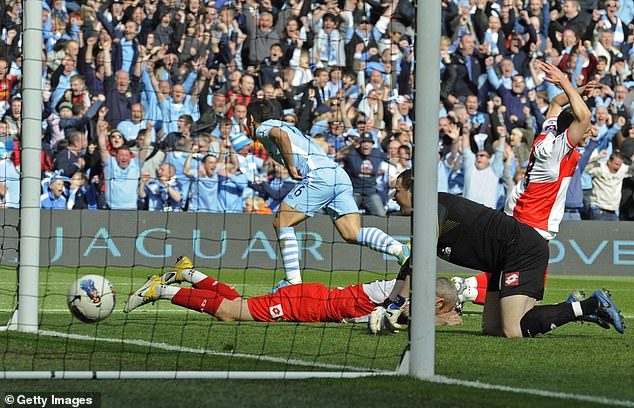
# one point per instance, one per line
(151, 96)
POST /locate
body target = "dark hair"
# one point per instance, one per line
(187, 119)
(617, 155)
(406, 179)
(318, 71)
(209, 155)
(331, 17)
(564, 120)
(77, 108)
(260, 110)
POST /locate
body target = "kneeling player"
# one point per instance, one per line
(478, 237)
(306, 302)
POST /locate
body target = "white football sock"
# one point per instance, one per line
(193, 275)
(165, 291)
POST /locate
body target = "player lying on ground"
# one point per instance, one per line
(321, 184)
(477, 237)
(538, 199)
(306, 302)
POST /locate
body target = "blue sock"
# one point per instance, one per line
(378, 240)
(290, 254)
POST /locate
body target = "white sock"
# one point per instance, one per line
(165, 291)
(290, 254)
(192, 275)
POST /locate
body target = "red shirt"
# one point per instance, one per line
(6, 87)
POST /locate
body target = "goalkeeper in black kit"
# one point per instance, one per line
(476, 237)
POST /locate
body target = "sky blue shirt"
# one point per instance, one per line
(62, 86)
(204, 194)
(128, 53)
(10, 176)
(49, 202)
(121, 184)
(149, 100)
(159, 198)
(307, 155)
(171, 111)
(178, 160)
(230, 193)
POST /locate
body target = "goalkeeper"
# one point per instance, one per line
(306, 302)
(477, 237)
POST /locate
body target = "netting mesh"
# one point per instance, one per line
(167, 337)
(144, 118)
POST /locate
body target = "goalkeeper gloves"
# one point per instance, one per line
(376, 320)
(385, 318)
(390, 320)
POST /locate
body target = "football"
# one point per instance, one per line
(91, 298)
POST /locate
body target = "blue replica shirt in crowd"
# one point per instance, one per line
(230, 193)
(177, 159)
(204, 194)
(307, 155)
(10, 177)
(49, 202)
(121, 184)
(159, 198)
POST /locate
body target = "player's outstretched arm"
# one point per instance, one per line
(561, 100)
(283, 143)
(578, 105)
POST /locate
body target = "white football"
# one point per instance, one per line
(91, 298)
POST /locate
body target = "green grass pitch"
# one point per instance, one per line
(578, 359)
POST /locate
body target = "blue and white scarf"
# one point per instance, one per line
(328, 45)
(619, 36)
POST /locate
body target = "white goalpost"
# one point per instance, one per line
(425, 201)
(418, 361)
(25, 318)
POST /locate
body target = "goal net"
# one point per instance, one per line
(239, 250)
(117, 89)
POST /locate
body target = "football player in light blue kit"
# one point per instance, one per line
(322, 183)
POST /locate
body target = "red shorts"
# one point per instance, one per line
(311, 302)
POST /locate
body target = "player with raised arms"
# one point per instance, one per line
(538, 199)
(474, 236)
(306, 302)
(321, 184)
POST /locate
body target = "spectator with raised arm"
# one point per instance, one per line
(573, 18)
(121, 172)
(261, 30)
(483, 170)
(70, 160)
(179, 103)
(607, 181)
(121, 88)
(163, 193)
(54, 192)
